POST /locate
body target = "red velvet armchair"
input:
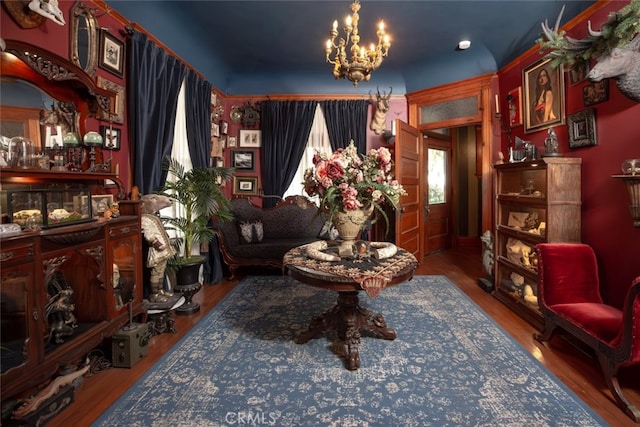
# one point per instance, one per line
(569, 297)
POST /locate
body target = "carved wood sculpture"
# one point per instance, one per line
(379, 120)
(621, 62)
(31, 404)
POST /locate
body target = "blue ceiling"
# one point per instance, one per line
(277, 47)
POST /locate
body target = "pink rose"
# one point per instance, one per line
(334, 170)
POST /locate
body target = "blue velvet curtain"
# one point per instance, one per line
(198, 111)
(285, 131)
(346, 120)
(153, 83)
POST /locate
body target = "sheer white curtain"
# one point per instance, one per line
(180, 152)
(318, 141)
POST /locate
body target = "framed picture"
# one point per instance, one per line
(231, 141)
(100, 203)
(582, 129)
(111, 56)
(217, 147)
(242, 160)
(116, 113)
(514, 102)
(224, 127)
(250, 138)
(245, 185)
(595, 92)
(543, 96)
(215, 129)
(578, 72)
(110, 137)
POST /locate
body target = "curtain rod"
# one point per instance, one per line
(126, 23)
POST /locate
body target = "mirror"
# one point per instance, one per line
(56, 77)
(20, 109)
(84, 38)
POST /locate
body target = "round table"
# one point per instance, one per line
(348, 277)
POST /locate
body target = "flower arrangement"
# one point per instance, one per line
(346, 181)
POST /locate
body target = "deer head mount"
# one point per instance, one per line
(616, 48)
(379, 120)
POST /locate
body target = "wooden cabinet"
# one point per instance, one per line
(98, 264)
(536, 201)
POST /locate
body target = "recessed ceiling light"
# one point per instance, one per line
(464, 44)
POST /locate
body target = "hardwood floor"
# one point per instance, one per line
(578, 370)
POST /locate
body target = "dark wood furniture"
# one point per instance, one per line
(570, 300)
(536, 202)
(100, 261)
(292, 222)
(348, 319)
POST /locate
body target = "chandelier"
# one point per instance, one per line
(362, 61)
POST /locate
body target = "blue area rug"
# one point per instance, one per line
(450, 365)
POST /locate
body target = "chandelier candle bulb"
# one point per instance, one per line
(497, 105)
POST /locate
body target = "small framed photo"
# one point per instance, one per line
(582, 129)
(217, 147)
(232, 142)
(514, 102)
(543, 96)
(578, 73)
(595, 92)
(110, 137)
(111, 53)
(224, 127)
(215, 129)
(250, 138)
(100, 203)
(242, 160)
(116, 112)
(245, 185)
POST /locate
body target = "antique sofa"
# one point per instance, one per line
(261, 236)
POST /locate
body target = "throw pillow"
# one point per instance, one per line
(251, 232)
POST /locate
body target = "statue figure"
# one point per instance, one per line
(551, 143)
(160, 248)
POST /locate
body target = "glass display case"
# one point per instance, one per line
(536, 202)
(49, 207)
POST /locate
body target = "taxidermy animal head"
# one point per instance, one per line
(152, 203)
(379, 121)
(621, 62)
(49, 9)
(624, 65)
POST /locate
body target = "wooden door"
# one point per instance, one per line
(408, 152)
(438, 197)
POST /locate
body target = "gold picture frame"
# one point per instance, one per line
(116, 112)
(245, 185)
(537, 113)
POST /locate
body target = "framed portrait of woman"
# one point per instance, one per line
(543, 102)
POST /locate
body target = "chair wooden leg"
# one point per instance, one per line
(549, 329)
(611, 378)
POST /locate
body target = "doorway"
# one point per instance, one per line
(438, 200)
(452, 186)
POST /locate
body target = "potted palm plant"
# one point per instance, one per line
(199, 198)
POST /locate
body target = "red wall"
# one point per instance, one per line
(55, 38)
(606, 222)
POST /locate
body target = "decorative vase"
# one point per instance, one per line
(349, 224)
(188, 284)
